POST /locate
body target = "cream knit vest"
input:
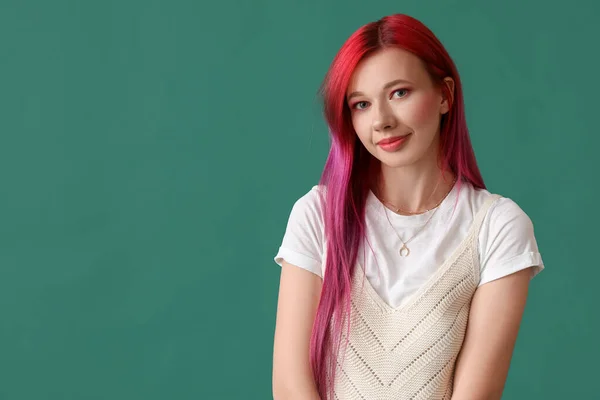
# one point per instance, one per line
(410, 352)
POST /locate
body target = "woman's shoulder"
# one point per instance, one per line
(504, 208)
(303, 243)
(309, 206)
(506, 227)
(312, 197)
(507, 240)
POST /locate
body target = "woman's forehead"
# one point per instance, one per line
(377, 69)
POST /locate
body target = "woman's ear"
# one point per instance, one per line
(447, 101)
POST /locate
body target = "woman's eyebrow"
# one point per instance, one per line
(386, 86)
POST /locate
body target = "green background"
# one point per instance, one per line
(151, 152)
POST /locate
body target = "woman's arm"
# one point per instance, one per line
(299, 294)
(494, 319)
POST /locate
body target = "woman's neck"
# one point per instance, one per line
(409, 191)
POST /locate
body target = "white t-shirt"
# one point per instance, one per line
(507, 242)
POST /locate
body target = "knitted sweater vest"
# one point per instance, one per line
(409, 352)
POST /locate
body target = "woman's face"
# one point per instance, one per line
(391, 95)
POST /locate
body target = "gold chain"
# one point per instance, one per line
(398, 209)
(404, 250)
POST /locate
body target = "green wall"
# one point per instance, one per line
(150, 153)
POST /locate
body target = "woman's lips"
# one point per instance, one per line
(392, 144)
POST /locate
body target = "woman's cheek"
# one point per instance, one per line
(360, 125)
(424, 110)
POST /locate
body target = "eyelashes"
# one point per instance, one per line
(361, 105)
(355, 106)
(399, 90)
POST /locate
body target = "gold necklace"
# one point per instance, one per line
(404, 250)
(398, 209)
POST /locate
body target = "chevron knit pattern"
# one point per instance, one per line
(409, 352)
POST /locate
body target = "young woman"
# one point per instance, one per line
(400, 245)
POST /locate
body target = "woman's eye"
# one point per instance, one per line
(360, 105)
(400, 92)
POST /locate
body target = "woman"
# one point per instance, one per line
(400, 244)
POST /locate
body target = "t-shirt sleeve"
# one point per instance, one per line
(302, 243)
(507, 242)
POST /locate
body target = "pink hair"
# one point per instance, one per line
(350, 169)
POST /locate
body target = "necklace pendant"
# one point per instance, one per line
(404, 252)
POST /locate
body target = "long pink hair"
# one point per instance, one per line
(350, 169)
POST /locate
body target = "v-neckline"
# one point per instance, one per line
(388, 309)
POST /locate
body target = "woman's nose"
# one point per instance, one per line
(383, 119)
